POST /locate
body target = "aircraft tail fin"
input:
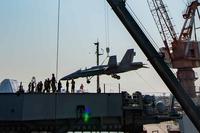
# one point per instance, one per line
(112, 61)
(128, 57)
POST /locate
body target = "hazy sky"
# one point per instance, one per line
(28, 40)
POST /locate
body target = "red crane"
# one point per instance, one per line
(180, 52)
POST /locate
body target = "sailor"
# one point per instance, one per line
(81, 88)
(67, 86)
(45, 86)
(37, 88)
(48, 85)
(21, 89)
(40, 86)
(59, 86)
(33, 84)
(73, 86)
(29, 87)
(53, 83)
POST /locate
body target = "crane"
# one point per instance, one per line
(119, 7)
(180, 52)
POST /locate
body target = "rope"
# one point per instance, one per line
(151, 39)
(106, 15)
(142, 27)
(58, 39)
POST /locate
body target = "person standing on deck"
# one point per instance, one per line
(45, 86)
(67, 86)
(73, 86)
(29, 87)
(53, 83)
(59, 86)
(39, 87)
(33, 84)
(48, 85)
(81, 88)
(21, 89)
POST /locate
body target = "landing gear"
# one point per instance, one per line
(116, 76)
(88, 81)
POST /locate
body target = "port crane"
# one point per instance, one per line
(119, 7)
(180, 52)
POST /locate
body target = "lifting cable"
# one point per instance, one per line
(107, 33)
(149, 37)
(58, 39)
(142, 26)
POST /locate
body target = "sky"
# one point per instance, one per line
(28, 34)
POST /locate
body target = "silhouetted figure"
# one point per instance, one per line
(48, 85)
(73, 86)
(45, 86)
(59, 86)
(29, 87)
(67, 86)
(53, 83)
(40, 86)
(81, 88)
(21, 89)
(33, 84)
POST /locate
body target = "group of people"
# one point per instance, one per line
(49, 85)
(72, 86)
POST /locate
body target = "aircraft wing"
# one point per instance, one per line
(85, 73)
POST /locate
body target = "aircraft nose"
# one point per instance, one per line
(71, 76)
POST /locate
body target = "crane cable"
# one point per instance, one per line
(106, 15)
(142, 26)
(150, 38)
(107, 37)
(58, 39)
(107, 33)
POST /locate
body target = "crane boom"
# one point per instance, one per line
(157, 62)
(162, 20)
(189, 23)
(165, 27)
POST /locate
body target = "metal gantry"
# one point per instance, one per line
(119, 7)
(183, 52)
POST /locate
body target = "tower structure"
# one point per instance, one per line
(180, 52)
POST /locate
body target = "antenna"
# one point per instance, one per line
(58, 39)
